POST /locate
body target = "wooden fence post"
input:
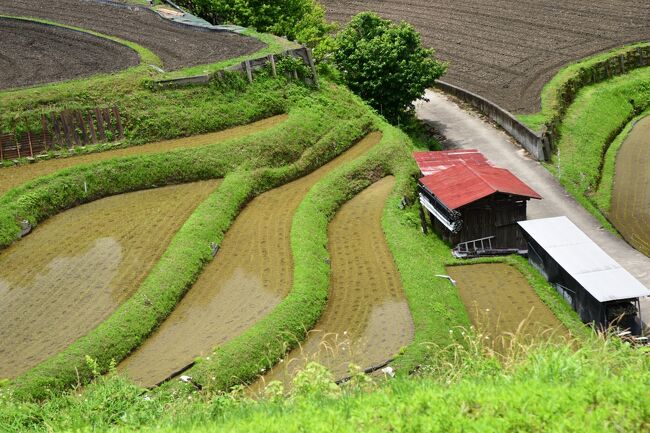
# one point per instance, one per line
(100, 125)
(82, 126)
(249, 71)
(29, 140)
(1, 146)
(91, 127)
(44, 127)
(312, 65)
(273, 70)
(118, 121)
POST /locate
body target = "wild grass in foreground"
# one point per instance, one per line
(599, 387)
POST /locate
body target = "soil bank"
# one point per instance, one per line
(251, 274)
(76, 268)
(367, 319)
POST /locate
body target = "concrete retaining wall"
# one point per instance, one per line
(537, 145)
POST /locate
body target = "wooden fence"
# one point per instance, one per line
(248, 68)
(64, 129)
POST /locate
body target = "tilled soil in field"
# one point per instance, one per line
(506, 50)
(250, 275)
(11, 177)
(177, 45)
(630, 211)
(367, 319)
(33, 53)
(501, 303)
(64, 279)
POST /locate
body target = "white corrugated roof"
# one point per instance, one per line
(592, 267)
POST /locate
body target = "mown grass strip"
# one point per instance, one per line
(282, 148)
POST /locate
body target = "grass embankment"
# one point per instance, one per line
(151, 114)
(594, 120)
(558, 94)
(329, 121)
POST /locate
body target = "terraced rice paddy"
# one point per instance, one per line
(11, 177)
(499, 299)
(630, 210)
(367, 319)
(251, 274)
(75, 269)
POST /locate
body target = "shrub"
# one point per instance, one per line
(301, 20)
(385, 63)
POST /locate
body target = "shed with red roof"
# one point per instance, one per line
(472, 204)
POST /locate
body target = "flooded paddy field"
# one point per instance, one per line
(251, 274)
(76, 268)
(367, 319)
(11, 177)
(498, 299)
(630, 210)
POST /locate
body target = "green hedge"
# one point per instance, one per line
(320, 123)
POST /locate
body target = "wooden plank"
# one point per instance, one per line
(91, 127)
(249, 71)
(57, 129)
(273, 67)
(29, 140)
(106, 114)
(66, 130)
(44, 128)
(100, 125)
(118, 122)
(82, 126)
(2, 145)
(74, 127)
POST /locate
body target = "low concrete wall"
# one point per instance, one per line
(537, 145)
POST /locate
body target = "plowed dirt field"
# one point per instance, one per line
(506, 50)
(32, 53)
(177, 45)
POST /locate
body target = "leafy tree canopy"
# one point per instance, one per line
(385, 63)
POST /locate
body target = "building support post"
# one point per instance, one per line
(423, 220)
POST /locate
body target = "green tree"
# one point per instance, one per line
(301, 20)
(385, 63)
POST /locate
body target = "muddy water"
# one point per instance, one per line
(367, 319)
(11, 177)
(499, 298)
(73, 271)
(630, 210)
(249, 277)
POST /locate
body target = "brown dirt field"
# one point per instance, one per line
(31, 53)
(11, 177)
(498, 299)
(177, 45)
(251, 274)
(367, 319)
(75, 269)
(630, 210)
(507, 50)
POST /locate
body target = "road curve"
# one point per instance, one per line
(466, 130)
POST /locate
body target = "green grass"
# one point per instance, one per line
(559, 93)
(250, 165)
(150, 114)
(602, 198)
(594, 120)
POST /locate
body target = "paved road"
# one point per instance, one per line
(463, 129)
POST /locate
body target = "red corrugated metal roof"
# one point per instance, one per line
(466, 183)
(435, 161)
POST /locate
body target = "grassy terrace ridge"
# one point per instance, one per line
(603, 195)
(151, 115)
(592, 122)
(561, 90)
(249, 166)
